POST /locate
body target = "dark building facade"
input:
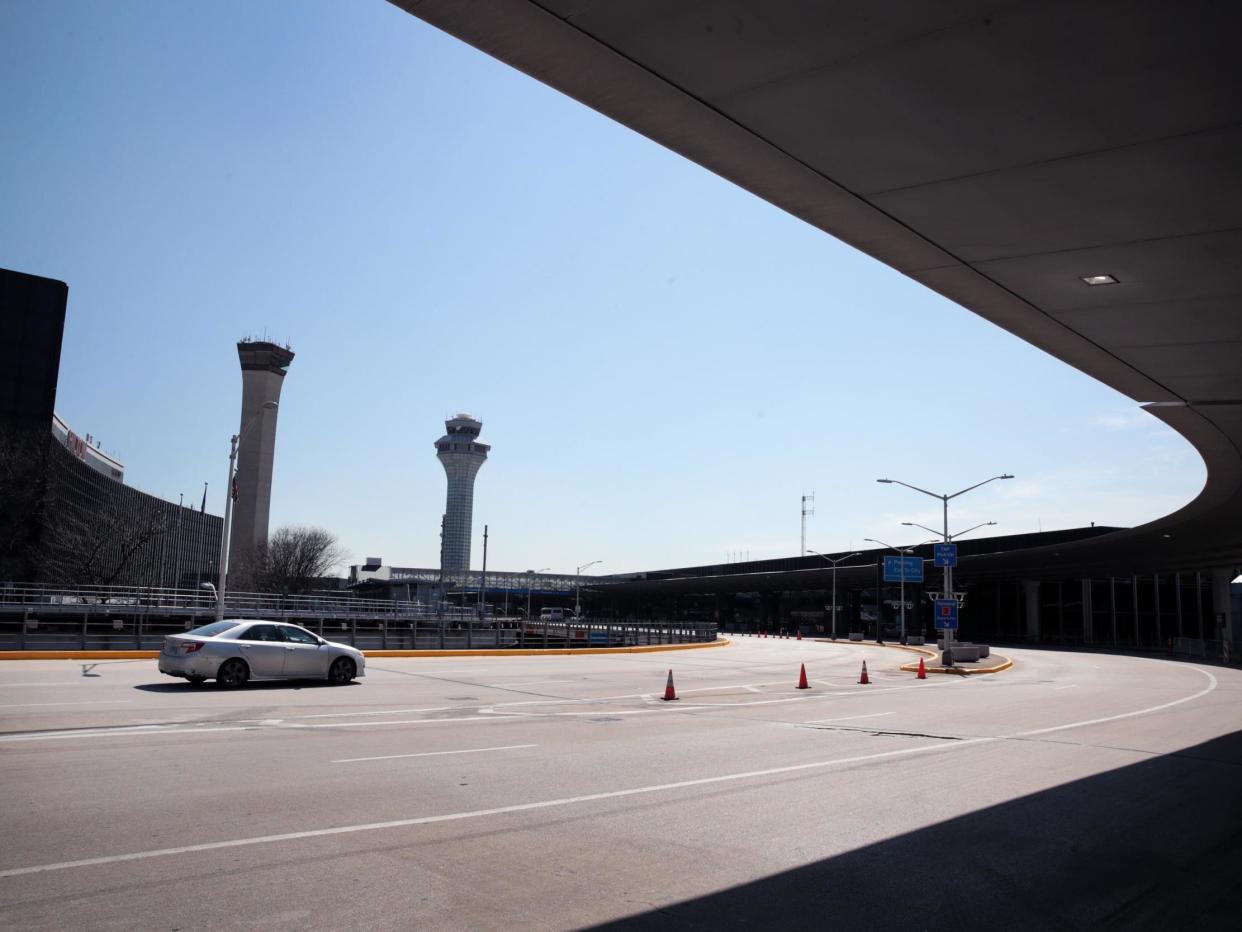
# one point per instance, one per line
(32, 324)
(66, 515)
(1008, 597)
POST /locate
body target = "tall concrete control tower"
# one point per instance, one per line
(461, 455)
(263, 368)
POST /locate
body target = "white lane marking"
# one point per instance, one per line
(804, 698)
(442, 708)
(846, 718)
(1113, 718)
(471, 814)
(507, 747)
(585, 714)
(62, 683)
(1070, 686)
(136, 731)
(592, 797)
(407, 721)
(528, 684)
(31, 705)
(751, 689)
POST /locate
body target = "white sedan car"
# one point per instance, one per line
(232, 652)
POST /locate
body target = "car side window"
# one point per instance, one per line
(263, 633)
(298, 636)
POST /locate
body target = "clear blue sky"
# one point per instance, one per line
(663, 363)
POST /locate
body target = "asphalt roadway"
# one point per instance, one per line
(1074, 790)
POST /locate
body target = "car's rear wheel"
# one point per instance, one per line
(197, 680)
(342, 671)
(232, 673)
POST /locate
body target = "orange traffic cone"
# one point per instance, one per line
(862, 680)
(802, 683)
(799, 634)
(922, 670)
(670, 694)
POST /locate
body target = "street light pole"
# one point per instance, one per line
(902, 552)
(948, 570)
(834, 583)
(578, 587)
(951, 536)
(530, 578)
(234, 443)
(483, 578)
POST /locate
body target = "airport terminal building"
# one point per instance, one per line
(67, 515)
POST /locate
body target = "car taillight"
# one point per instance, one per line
(192, 646)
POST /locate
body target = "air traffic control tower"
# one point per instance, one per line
(461, 454)
(263, 368)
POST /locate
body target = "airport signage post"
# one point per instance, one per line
(899, 569)
(945, 555)
(946, 614)
(903, 569)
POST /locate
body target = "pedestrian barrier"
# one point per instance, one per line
(132, 618)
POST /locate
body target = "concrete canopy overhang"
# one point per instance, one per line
(996, 153)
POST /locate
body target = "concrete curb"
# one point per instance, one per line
(926, 652)
(520, 652)
(961, 671)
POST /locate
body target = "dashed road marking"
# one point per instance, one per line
(507, 747)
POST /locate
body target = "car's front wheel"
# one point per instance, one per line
(342, 671)
(232, 673)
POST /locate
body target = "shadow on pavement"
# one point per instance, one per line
(182, 686)
(1153, 845)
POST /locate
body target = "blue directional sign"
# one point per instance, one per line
(946, 555)
(946, 614)
(893, 571)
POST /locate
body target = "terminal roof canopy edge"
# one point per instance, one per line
(1003, 156)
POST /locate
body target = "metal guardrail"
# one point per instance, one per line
(38, 617)
(1200, 648)
(141, 632)
(127, 600)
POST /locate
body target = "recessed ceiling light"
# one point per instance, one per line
(1099, 280)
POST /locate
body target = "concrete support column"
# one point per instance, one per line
(1199, 603)
(1112, 606)
(1088, 613)
(1155, 599)
(1177, 600)
(1031, 588)
(1222, 613)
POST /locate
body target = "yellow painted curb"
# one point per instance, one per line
(78, 654)
(927, 652)
(960, 671)
(538, 652)
(521, 652)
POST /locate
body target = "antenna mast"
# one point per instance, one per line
(808, 508)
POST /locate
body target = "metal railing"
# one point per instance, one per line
(126, 600)
(1200, 649)
(143, 633)
(36, 617)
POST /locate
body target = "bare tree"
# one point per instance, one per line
(23, 493)
(296, 556)
(100, 546)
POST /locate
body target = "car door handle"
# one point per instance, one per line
(288, 648)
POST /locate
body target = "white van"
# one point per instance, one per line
(556, 614)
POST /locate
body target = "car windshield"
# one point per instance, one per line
(211, 630)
